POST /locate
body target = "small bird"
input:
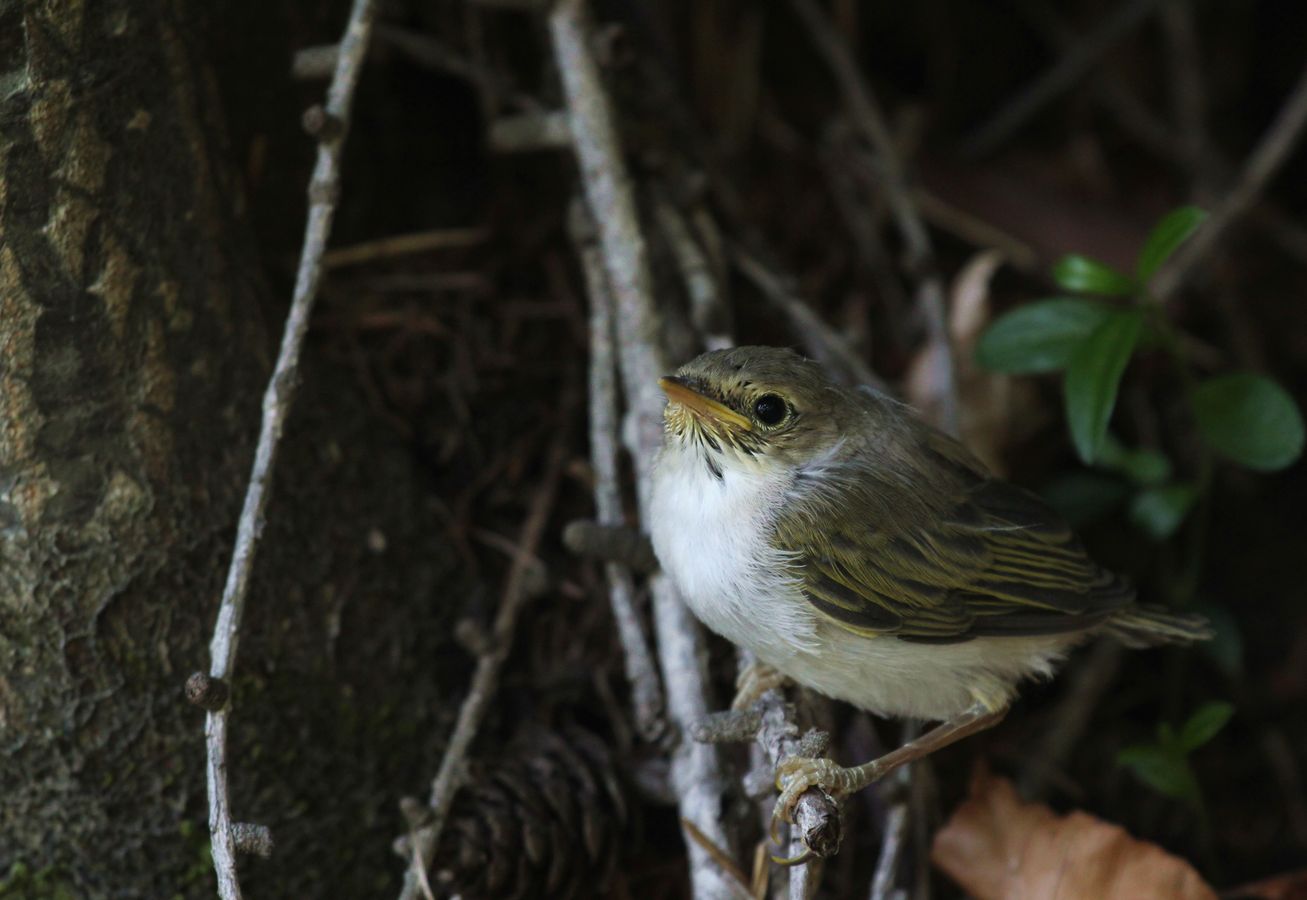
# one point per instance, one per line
(864, 554)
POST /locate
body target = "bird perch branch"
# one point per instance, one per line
(277, 398)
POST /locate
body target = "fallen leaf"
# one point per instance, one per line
(998, 847)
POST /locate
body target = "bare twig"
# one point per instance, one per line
(1069, 69)
(817, 825)
(919, 257)
(1186, 83)
(708, 310)
(520, 585)
(696, 769)
(403, 245)
(825, 344)
(641, 670)
(863, 220)
(1072, 716)
(620, 544)
(529, 132)
(1265, 160)
(323, 191)
(313, 63)
(896, 826)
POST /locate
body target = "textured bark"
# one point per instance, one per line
(132, 353)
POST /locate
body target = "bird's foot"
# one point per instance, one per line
(798, 773)
(754, 680)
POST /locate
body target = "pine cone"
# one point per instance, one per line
(546, 821)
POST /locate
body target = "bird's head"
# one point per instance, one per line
(755, 406)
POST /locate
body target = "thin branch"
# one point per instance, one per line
(1072, 716)
(887, 864)
(708, 309)
(530, 132)
(312, 63)
(323, 191)
(1270, 154)
(525, 580)
(823, 342)
(696, 769)
(641, 670)
(1073, 66)
(867, 117)
(1188, 100)
(404, 245)
(817, 828)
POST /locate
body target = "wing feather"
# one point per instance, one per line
(991, 560)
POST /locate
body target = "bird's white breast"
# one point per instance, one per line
(713, 537)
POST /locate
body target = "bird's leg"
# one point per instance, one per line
(796, 774)
(754, 680)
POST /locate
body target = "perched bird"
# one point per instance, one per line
(868, 556)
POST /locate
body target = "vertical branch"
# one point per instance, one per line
(920, 255)
(323, 192)
(641, 670)
(696, 770)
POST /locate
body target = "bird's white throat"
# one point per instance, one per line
(712, 523)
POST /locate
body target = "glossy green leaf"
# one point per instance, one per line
(1093, 378)
(1167, 773)
(1250, 420)
(1204, 724)
(1083, 275)
(1144, 467)
(1040, 336)
(1168, 234)
(1159, 511)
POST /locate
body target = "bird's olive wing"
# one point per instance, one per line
(993, 560)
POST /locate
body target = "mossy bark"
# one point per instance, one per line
(132, 354)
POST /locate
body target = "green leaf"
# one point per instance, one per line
(1093, 377)
(1040, 336)
(1250, 420)
(1170, 232)
(1083, 497)
(1142, 466)
(1158, 511)
(1204, 724)
(1167, 773)
(1083, 275)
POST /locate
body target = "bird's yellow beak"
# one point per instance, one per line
(702, 407)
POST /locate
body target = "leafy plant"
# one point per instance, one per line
(1242, 417)
(1164, 765)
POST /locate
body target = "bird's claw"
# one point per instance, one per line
(796, 775)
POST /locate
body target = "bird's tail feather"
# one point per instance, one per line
(1147, 626)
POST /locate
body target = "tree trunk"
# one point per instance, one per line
(132, 354)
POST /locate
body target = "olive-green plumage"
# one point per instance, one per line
(897, 529)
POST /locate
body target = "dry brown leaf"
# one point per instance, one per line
(994, 407)
(998, 847)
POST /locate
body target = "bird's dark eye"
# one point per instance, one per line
(769, 409)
